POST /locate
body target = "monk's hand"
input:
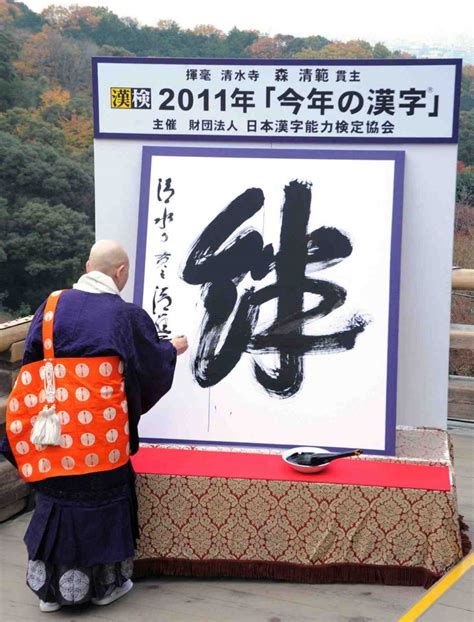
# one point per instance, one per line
(180, 343)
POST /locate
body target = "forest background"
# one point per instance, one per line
(46, 150)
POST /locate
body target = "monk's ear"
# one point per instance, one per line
(88, 266)
(120, 276)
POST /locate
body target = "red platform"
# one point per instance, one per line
(199, 463)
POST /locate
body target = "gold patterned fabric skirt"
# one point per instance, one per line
(300, 531)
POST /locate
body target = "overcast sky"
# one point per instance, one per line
(428, 21)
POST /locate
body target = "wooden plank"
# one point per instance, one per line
(14, 492)
(463, 279)
(3, 408)
(8, 375)
(461, 397)
(12, 332)
(8, 477)
(462, 336)
(461, 389)
(18, 490)
(6, 381)
(458, 410)
(15, 353)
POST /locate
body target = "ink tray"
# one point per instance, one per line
(301, 467)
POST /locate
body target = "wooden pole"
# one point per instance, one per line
(463, 279)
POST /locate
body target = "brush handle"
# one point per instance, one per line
(313, 459)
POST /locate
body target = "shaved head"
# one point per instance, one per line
(108, 257)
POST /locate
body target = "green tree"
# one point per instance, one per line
(297, 44)
(381, 51)
(23, 17)
(467, 87)
(3, 230)
(111, 30)
(36, 170)
(31, 128)
(13, 90)
(46, 247)
(466, 137)
(111, 50)
(465, 187)
(9, 81)
(349, 49)
(238, 41)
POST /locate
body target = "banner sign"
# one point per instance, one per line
(277, 100)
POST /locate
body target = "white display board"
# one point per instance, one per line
(286, 282)
(428, 214)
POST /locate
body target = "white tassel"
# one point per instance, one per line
(47, 427)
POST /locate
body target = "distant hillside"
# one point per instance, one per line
(464, 49)
(46, 159)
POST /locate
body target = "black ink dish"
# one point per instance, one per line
(313, 459)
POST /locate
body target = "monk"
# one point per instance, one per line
(82, 536)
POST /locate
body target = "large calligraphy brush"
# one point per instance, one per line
(308, 458)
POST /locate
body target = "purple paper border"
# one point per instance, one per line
(457, 62)
(398, 157)
(142, 230)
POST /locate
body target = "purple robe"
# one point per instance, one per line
(91, 519)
